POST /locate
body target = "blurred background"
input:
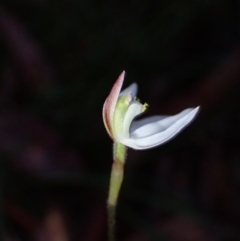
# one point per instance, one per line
(58, 62)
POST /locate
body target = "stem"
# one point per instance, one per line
(119, 152)
(115, 185)
(111, 222)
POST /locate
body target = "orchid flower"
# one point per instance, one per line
(121, 108)
(119, 112)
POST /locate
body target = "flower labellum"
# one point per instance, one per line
(120, 110)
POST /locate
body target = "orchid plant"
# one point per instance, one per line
(119, 112)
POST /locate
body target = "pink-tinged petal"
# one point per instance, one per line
(105, 120)
(110, 104)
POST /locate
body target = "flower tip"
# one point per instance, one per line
(193, 112)
(119, 82)
(122, 75)
(196, 109)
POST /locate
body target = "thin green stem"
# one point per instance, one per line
(119, 152)
(115, 185)
(111, 222)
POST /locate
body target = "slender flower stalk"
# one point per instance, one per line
(119, 112)
(117, 172)
(116, 179)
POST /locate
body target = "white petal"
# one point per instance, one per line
(145, 125)
(132, 89)
(154, 124)
(158, 132)
(134, 110)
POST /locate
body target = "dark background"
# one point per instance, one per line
(58, 62)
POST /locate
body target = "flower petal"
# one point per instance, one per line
(132, 90)
(146, 125)
(110, 103)
(156, 132)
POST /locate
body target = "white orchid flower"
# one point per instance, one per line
(120, 110)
